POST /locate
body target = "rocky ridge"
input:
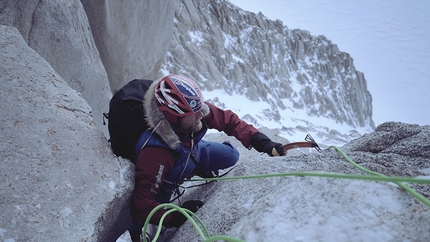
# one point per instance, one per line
(240, 52)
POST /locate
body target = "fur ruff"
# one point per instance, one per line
(153, 115)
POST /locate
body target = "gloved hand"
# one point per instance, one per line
(177, 218)
(262, 143)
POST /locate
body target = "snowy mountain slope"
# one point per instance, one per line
(387, 39)
(282, 74)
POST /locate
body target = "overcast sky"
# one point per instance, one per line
(388, 40)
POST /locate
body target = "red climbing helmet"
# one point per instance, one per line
(178, 95)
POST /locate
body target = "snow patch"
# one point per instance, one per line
(112, 185)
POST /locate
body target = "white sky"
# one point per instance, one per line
(388, 40)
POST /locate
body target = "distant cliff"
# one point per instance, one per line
(240, 52)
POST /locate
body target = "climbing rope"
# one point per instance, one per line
(374, 176)
(408, 189)
(195, 221)
(328, 175)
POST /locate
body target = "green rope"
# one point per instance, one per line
(408, 189)
(374, 176)
(206, 237)
(328, 175)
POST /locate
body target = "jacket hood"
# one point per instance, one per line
(156, 119)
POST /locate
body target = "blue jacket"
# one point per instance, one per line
(185, 162)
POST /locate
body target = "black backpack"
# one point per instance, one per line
(126, 121)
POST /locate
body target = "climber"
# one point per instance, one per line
(173, 149)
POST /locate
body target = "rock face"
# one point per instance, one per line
(244, 53)
(132, 37)
(60, 181)
(322, 209)
(60, 33)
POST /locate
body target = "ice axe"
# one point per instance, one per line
(308, 143)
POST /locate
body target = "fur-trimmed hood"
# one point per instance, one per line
(156, 119)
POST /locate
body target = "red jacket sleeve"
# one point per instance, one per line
(230, 123)
(152, 164)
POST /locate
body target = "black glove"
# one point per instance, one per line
(262, 143)
(177, 218)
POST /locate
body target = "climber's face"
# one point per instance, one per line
(192, 122)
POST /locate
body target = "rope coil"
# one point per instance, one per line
(198, 225)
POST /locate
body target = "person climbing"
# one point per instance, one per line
(172, 149)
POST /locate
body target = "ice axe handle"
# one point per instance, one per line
(309, 143)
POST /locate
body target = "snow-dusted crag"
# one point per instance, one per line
(243, 53)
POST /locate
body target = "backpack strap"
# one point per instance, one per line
(153, 130)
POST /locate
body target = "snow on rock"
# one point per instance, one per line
(57, 171)
(240, 53)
